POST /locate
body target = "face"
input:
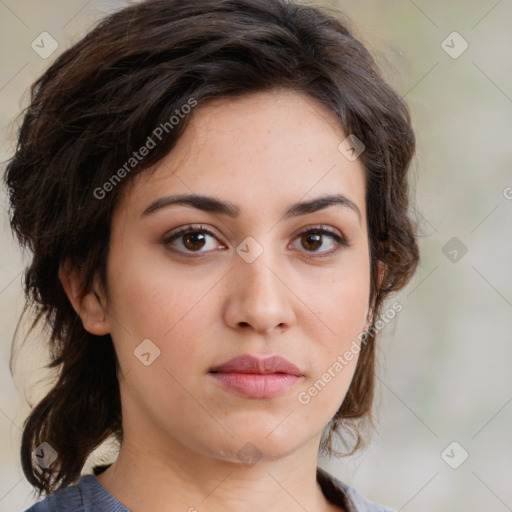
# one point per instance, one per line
(203, 283)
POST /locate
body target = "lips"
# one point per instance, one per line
(255, 365)
(254, 377)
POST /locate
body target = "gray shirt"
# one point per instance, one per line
(90, 496)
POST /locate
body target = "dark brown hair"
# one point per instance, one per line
(99, 102)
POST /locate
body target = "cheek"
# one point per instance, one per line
(340, 306)
(340, 301)
(171, 309)
(149, 297)
(336, 352)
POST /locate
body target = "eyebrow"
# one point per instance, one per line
(213, 205)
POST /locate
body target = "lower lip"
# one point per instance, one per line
(256, 385)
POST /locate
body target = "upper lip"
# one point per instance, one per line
(252, 364)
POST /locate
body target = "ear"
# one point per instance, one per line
(87, 303)
(382, 271)
(369, 316)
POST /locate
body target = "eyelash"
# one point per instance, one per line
(317, 230)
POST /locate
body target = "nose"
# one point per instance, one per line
(258, 297)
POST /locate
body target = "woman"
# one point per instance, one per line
(215, 195)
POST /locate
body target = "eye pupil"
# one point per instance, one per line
(194, 237)
(317, 241)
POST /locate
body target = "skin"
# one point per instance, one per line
(182, 431)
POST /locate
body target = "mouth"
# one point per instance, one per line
(257, 365)
(255, 377)
(254, 385)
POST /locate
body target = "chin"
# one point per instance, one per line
(250, 449)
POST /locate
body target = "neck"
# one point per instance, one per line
(148, 478)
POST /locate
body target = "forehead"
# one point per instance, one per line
(274, 147)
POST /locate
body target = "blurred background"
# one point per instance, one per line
(443, 438)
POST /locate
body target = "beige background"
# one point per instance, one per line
(445, 363)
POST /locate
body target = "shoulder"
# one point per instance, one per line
(361, 504)
(341, 493)
(87, 496)
(66, 499)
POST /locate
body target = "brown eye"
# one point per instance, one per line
(192, 240)
(314, 239)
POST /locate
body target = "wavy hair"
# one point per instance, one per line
(98, 103)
